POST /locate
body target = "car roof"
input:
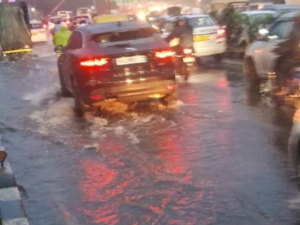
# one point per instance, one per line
(255, 12)
(112, 26)
(281, 6)
(173, 18)
(195, 15)
(289, 15)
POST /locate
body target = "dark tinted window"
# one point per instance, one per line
(282, 29)
(34, 26)
(138, 36)
(54, 20)
(75, 41)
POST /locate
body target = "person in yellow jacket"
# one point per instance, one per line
(61, 37)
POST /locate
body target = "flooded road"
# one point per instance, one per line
(219, 158)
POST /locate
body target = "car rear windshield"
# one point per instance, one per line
(63, 14)
(55, 20)
(35, 26)
(138, 36)
(82, 11)
(203, 21)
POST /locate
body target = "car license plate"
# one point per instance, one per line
(131, 60)
(201, 37)
(188, 59)
(34, 33)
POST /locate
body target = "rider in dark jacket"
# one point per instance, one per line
(289, 52)
(184, 32)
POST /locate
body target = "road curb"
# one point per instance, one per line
(11, 205)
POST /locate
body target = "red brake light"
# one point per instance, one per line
(221, 33)
(94, 62)
(187, 51)
(164, 54)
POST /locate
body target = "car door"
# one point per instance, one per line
(278, 33)
(75, 43)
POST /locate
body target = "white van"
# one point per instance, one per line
(84, 12)
(38, 32)
(65, 14)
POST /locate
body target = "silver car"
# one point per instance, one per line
(259, 57)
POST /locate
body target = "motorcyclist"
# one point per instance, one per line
(56, 27)
(289, 52)
(61, 37)
(184, 32)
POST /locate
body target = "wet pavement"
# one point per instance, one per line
(219, 158)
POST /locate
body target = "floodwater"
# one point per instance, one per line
(220, 157)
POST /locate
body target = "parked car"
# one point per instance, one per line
(127, 61)
(259, 56)
(209, 37)
(38, 32)
(282, 8)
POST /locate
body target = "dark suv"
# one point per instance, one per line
(126, 61)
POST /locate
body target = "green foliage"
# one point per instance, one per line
(241, 30)
(233, 21)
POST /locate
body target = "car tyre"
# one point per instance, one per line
(64, 91)
(80, 110)
(250, 73)
(218, 58)
(171, 100)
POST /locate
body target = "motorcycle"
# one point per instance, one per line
(184, 63)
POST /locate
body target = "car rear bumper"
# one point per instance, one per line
(209, 49)
(130, 92)
(39, 38)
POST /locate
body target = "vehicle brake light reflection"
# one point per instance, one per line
(94, 62)
(164, 54)
(95, 97)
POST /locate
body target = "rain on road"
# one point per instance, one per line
(218, 158)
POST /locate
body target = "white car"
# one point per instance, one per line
(38, 32)
(259, 57)
(52, 21)
(209, 37)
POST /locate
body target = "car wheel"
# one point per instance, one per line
(218, 58)
(80, 110)
(250, 73)
(171, 100)
(64, 91)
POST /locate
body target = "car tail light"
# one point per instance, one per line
(187, 51)
(94, 62)
(221, 33)
(164, 54)
(95, 97)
